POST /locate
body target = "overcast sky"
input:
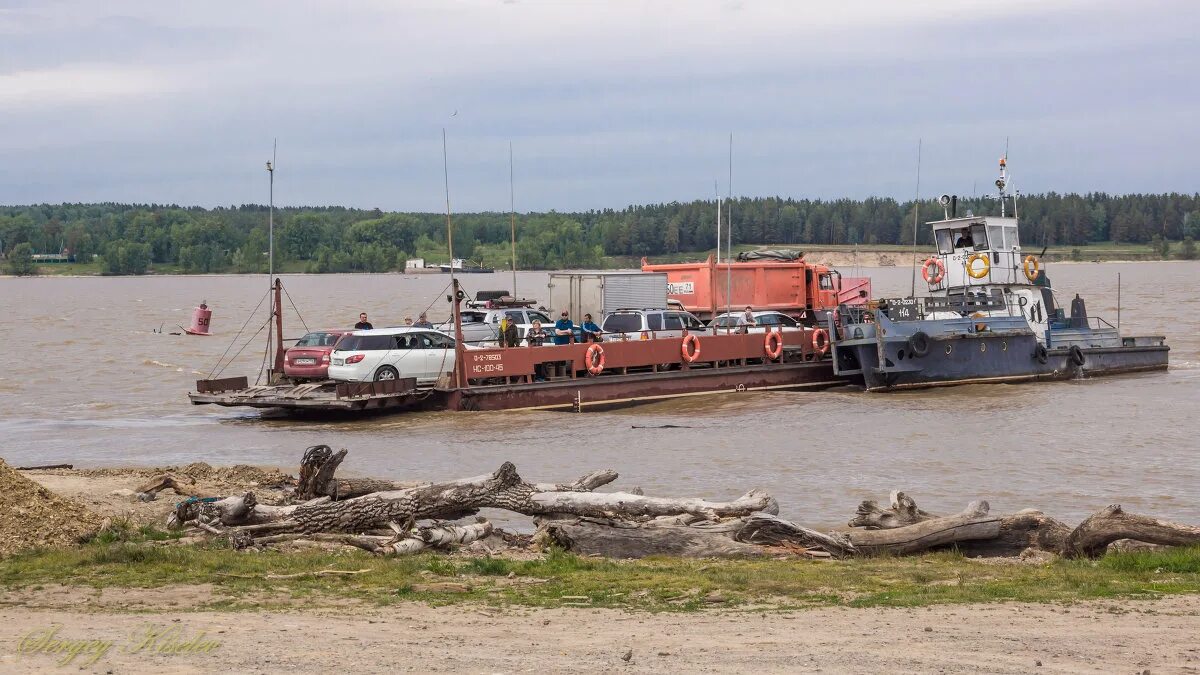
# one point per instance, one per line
(605, 102)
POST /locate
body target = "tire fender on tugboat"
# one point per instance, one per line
(1076, 356)
(1040, 353)
(918, 343)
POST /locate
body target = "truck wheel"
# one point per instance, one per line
(386, 373)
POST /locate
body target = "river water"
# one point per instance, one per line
(89, 381)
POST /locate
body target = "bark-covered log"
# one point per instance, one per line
(1020, 531)
(1093, 535)
(503, 489)
(904, 511)
(440, 537)
(317, 479)
(758, 534)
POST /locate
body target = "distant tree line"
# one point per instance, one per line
(132, 238)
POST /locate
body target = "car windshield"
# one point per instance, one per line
(318, 340)
(622, 323)
(363, 343)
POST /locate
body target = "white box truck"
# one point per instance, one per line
(598, 293)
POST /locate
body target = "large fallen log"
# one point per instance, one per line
(1102, 528)
(758, 534)
(503, 489)
(973, 523)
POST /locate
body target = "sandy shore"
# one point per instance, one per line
(1102, 637)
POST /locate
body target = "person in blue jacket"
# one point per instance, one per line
(563, 328)
(591, 332)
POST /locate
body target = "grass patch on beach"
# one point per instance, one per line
(134, 558)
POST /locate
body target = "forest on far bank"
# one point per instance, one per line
(135, 238)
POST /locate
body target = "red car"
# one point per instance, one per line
(309, 358)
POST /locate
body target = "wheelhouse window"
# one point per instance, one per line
(945, 241)
(979, 236)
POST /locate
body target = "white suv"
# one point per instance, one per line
(629, 324)
(392, 353)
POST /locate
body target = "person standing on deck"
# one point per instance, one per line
(589, 330)
(363, 324)
(423, 322)
(563, 329)
(408, 321)
(746, 320)
(509, 335)
(536, 335)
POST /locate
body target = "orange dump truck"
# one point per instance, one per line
(790, 285)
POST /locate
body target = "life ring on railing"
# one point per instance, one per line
(595, 359)
(820, 341)
(987, 266)
(939, 266)
(1032, 267)
(690, 348)
(773, 344)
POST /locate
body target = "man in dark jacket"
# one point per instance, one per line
(509, 335)
(363, 324)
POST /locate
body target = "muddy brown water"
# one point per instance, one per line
(89, 381)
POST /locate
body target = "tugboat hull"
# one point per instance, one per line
(990, 359)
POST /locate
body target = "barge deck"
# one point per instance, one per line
(505, 379)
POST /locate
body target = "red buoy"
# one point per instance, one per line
(201, 316)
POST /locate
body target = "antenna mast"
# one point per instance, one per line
(449, 226)
(271, 218)
(916, 217)
(512, 211)
(729, 235)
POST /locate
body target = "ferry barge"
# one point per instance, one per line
(578, 376)
(992, 316)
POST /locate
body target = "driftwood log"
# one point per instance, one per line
(382, 516)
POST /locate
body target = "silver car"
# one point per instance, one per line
(630, 324)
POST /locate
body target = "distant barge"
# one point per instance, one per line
(580, 376)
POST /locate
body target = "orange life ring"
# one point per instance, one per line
(690, 348)
(773, 344)
(941, 271)
(1031, 263)
(822, 345)
(595, 365)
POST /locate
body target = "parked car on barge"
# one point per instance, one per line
(392, 353)
(308, 359)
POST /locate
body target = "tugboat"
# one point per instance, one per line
(991, 316)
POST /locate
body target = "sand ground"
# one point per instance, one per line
(1126, 636)
(1159, 636)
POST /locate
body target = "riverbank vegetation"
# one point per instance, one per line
(141, 238)
(125, 557)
